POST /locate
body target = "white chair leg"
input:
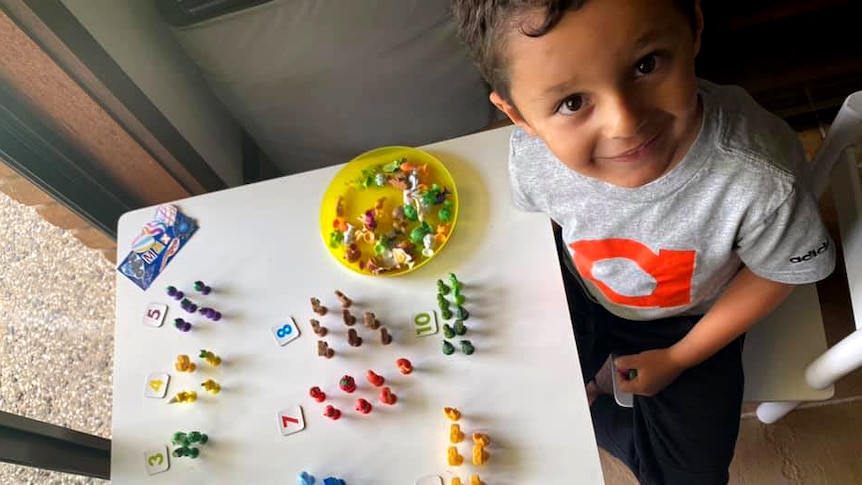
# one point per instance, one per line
(838, 361)
(770, 412)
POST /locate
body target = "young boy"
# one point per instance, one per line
(684, 210)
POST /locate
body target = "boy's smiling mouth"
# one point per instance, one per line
(637, 153)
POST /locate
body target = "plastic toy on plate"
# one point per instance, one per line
(389, 211)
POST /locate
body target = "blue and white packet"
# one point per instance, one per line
(159, 242)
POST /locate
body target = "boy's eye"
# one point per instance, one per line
(571, 104)
(646, 65)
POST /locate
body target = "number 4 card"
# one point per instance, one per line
(157, 386)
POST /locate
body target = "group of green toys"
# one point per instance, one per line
(185, 442)
(460, 314)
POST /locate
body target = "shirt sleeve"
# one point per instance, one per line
(790, 245)
(517, 181)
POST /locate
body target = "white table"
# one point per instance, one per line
(258, 246)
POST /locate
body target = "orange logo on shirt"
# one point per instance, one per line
(672, 270)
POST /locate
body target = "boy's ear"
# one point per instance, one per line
(512, 112)
(698, 21)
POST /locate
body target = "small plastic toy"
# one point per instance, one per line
(404, 366)
(333, 481)
(453, 458)
(480, 456)
(446, 314)
(188, 305)
(186, 451)
(455, 434)
(353, 338)
(185, 442)
(442, 289)
(457, 481)
(481, 439)
(474, 480)
(459, 328)
(195, 437)
(371, 321)
(349, 319)
(304, 479)
(210, 313)
(448, 331)
(452, 413)
(202, 288)
(347, 384)
(467, 347)
(375, 379)
(448, 348)
(363, 406)
(627, 374)
(211, 358)
(462, 313)
(453, 282)
(332, 413)
(443, 303)
(184, 397)
(319, 329)
(175, 293)
(345, 302)
(182, 325)
(317, 394)
(385, 336)
(317, 308)
(184, 364)
(387, 396)
(458, 298)
(323, 350)
(211, 386)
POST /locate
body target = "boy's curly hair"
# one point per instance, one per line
(484, 24)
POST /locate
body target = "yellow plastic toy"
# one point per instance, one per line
(211, 358)
(480, 456)
(184, 364)
(455, 434)
(474, 480)
(211, 386)
(453, 458)
(481, 439)
(452, 413)
(184, 397)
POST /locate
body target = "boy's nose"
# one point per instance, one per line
(622, 118)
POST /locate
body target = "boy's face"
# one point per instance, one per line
(611, 89)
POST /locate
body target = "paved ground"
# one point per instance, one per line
(56, 331)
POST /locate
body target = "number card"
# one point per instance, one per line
(155, 315)
(157, 386)
(285, 332)
(156, 460)
(291, 421)
(425, 323)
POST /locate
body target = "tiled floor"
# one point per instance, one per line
(57, 311)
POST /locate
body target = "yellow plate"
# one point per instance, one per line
(356, 201)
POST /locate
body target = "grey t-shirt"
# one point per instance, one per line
(741, 196)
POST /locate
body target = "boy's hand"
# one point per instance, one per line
(655, 370)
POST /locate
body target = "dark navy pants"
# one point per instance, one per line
(686, 433)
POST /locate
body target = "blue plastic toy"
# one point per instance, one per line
(305, 479)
